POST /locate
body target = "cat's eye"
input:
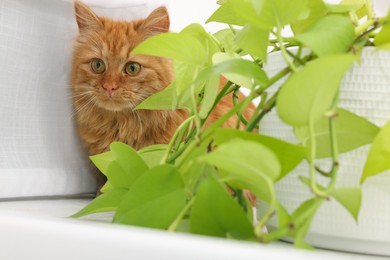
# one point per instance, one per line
(98, 66)
(132, 68)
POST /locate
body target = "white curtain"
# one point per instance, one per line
(40, 152)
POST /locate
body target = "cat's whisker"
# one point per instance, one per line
(82, 94)
(90, 101)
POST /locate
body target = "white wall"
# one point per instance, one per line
(184, 12)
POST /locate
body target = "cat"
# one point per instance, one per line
(108, 82)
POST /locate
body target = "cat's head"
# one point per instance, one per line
(105, 73)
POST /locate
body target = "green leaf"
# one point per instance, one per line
(193, 173)
(383, 37)
(236, 78)
(169, 98)
(352, 131)
(226, 40)
(106, 187)
(350, 199)
(264, 14)
(154, 200)
(128, 158)
(210, 94)
(306, 210)
(250, 165)
(105, 202)
(178, 46)
(127, 167)
(235, 12)
(333, 34)
(283, 217)
(301, 221)
(346, 6)
(164, 100)
(102, 161)
(317, 9)
(242, 71)
(289, 155)
(153, 154)
(184, 76)
(309, 93)
(383, 47)
(284, 11)
(206, 39)
(118, 177)
(378, 159)
(215, 213)
(254, 41)
(299, 239)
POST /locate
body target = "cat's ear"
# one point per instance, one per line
(86, 18)
(157, 22)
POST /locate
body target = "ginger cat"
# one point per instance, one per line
(108, 83)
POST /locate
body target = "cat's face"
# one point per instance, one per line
(104, 72)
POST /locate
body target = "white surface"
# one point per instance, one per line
(364, 91)
(39, 230)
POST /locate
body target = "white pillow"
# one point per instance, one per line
(40, 152)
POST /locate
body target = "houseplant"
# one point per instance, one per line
(181, 186)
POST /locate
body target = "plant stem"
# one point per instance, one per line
(272, 101)
(260, 107)
(277, 234)
(183, 136)
(174, 137)
(313, 185)
(274, 79)
(364, 27)
(283, 73)
(354, 18)
(234, 31)
(264, 96)
(181, 215)
(235, 101)
(283, 49)
(370, 10)
(267, 108)
(198, 122)
(259, 226)
(225, 90)
(335, 154)
(240, 118)
(187, 149)
(296, 57)
(322, 172)
(333, 145)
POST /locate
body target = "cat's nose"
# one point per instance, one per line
(110, 88)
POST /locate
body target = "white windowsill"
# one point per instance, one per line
(41, 230)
